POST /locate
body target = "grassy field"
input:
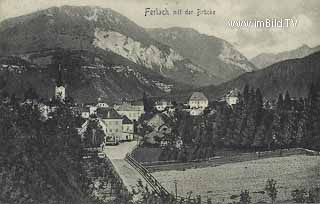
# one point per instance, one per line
(221, 182)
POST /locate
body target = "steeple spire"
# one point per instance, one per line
(59, 81)
(60, 91)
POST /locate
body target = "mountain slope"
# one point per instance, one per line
(266, 59)
(97, 30)
(88, 76)
(293, 75)
(217, 56)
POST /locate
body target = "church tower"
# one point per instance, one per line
(60, 91)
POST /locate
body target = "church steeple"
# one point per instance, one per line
(60, 91)
(59, 80)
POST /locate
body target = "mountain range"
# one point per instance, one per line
(105, 54)
(266, 59)
(294, 76)
(215, 55)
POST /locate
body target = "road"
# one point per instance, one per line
(128, 174)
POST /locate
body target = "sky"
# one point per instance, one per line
(250, 41)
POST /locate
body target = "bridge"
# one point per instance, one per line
(129, 170)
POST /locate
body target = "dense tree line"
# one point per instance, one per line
(41, 159)
(94, 135)
(253, 124)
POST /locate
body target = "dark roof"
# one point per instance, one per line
(166, 119)
(108, 113)
(233, 93)
(196, 96)
(126, 120)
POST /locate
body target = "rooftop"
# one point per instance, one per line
(198, 96)
(127, 107)
(233, 93)
(108, 113)
(126, 120)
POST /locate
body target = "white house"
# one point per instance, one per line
(44, 110)
(132, 110)
(102, 105)
(196, 111)
(198, 100)
(197, 103)
(162, 104)
(112, 121)
(85, 112)
(92, 108)
(60, 91)
(231, 97)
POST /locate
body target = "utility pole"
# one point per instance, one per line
(176, 188)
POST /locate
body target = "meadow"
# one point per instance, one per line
(224, 183)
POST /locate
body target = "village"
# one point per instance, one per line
(125, 121)
(144, 139)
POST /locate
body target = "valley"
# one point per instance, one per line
(95, 108)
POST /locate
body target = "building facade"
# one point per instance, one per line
(60, 91)
(127, 129)
(161, 105)
(232, 97)
(198, 101)
(132, 111)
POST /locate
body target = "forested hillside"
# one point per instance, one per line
(253, 124)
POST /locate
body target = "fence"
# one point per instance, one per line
(153, 182)
(216, 161)
(155, 185)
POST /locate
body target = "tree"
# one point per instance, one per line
(313, 118)
(280, 102)
(299, 195)
(287, 101)
(271, 189)
(246, 94)
(245, 197)
(147, 103)
(259, 106)
(94, 134)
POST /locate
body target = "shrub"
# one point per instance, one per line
(271, 189)
(245, 197)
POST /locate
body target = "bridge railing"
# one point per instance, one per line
(153, 182)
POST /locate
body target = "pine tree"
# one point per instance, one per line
(246, 95)
(258, 107)
(313, 118)
(287, 101)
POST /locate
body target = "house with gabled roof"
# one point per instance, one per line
(198, 101)
(132, 110)
(232, 97)
(112, 121)
(127, 129)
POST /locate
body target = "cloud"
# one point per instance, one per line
(249, 41)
